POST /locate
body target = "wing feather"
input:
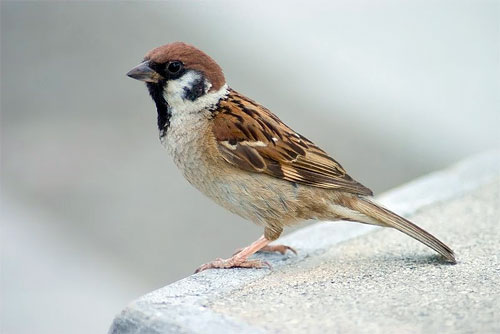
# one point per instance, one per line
(250, 137)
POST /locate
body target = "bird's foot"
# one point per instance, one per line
(234, 262)
(282, 249)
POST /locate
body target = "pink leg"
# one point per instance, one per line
(282, 249)
(241, 258)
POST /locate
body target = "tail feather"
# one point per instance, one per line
(390, 219)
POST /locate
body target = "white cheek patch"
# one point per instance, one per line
(175, 89)
(174, 94)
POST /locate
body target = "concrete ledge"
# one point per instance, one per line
(338, 282)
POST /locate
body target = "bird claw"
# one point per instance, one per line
(233, 263)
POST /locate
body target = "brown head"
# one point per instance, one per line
(177, 73)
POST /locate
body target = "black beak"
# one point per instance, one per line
(145, 73)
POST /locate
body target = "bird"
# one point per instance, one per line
(243, 157)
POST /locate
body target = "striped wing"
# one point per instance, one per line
(250, 137)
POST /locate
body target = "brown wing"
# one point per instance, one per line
(251, 137)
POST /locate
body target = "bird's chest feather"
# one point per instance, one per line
(185, 140)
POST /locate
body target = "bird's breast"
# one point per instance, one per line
(184, 140)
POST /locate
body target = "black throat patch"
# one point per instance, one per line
(164, 114)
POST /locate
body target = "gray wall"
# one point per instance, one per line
(94, 211)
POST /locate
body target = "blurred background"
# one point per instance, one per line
(94, 212)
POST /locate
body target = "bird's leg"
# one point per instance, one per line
(241, 258)
(271, 233)
(282, 249)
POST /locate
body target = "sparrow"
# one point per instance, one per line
(243, 157)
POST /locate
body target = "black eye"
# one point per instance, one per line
(174, 67)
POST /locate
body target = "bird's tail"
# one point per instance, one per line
(384, 217)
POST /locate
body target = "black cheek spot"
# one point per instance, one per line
(195, 91)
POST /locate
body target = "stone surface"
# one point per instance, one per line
(355, 278)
